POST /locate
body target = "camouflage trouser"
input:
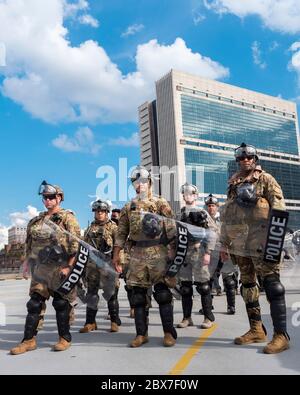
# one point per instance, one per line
(51, 281)
(250, 268)
(193, 269)
(93, 278)
(147, 266)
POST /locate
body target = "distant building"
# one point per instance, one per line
(196, 123)
(16, 235)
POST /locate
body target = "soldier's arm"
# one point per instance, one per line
(273, 192)
(72, 227)
(164, 209)
(211, 236)
(28, 243)
(123, 229)
(121, 238)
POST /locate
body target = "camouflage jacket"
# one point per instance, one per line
(130, 224)
(39, 237)
(101, 235)
(268, 193)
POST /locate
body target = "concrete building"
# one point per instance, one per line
(16, 235)
(193, 126)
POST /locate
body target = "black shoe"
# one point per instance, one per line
(230, 310)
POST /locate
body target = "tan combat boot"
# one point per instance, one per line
(279, 343)
(114, 327)
(206, 324)
(88, 328)
(139, 341)
(62, 345)
(26, 345)
(185, 323)
(169, 340)
(256, 334)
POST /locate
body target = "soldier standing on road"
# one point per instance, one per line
(101, 235)
(195, 270)
(40, 246)
(148, 256)
(252, 193)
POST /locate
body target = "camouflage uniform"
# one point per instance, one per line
(100, 235)
(46, 276)
(147, 260)
(244, 232)
(147, 265)
(193, 271)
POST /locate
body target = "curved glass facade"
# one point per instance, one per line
(224, 123)
(218, 167)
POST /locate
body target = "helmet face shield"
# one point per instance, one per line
(140, 175)
(245, 151)
(47, 189)
(210, 199)
(189, 189)
(99, 205)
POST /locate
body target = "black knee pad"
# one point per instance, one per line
(203, 288)
(60, 304)
(35, 304)
(162, 294)
(229, 282)
(186, 288)
(92, 301)
(273, 287)
(115, 295)
(138, 297)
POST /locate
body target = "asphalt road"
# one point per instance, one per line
(102, 353)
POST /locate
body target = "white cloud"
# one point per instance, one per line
(132, 141)
(17, 219)
(279, 15)
(72, 9)
(295, 61)
(3, 236)
(55, 81)
(82, 141)
(198, 17)
(88, 19)
(273, 46)
(257, 55)
(22, 218)
(2, 55)
(132, 30)
(295, 46)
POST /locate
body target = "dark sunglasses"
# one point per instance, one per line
(241, 158)
(49, 197)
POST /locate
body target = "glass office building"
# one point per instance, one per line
(199, 123)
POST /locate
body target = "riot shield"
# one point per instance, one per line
(186, 244)
(51, 257)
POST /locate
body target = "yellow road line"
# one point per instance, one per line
(185, 360)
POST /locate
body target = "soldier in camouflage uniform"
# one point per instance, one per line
(124, 259)
(148, 256)
(252, 193)
(40, 244)
(101, 235)
(195, 269)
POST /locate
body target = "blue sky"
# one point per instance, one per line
(72, 74)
